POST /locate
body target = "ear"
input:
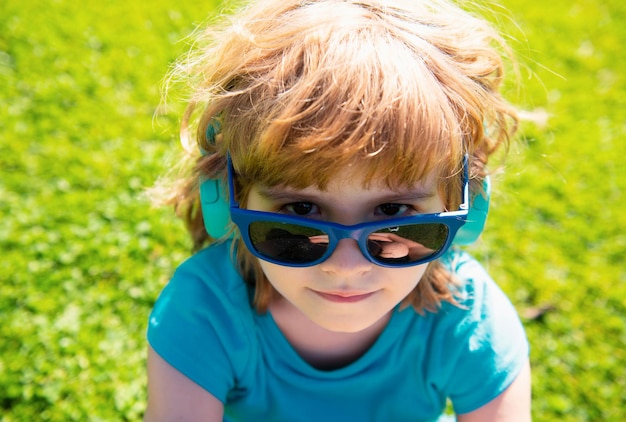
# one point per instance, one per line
(215, 209)
(476, 218)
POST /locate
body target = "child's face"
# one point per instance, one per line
(345, 293)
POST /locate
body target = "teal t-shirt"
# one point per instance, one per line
(203, 325)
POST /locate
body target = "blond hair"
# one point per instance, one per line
(397, 89)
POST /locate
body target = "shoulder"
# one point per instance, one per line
(202, 322)
(477, 293)
(482, 305)
(215, 262)
(483, 345)
(208, 276)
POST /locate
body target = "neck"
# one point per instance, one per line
(321, 348)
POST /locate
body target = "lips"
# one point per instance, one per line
(344, 297)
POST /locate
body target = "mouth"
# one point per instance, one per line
(344, 297)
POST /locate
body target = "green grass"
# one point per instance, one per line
(84, 256)
(557, 236)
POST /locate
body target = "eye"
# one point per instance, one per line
(394, 210)
(301, 208)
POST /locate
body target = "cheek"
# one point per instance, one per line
(283, 279)
(407, 279)
(397, 282)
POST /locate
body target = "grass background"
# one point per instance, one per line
(83, 256)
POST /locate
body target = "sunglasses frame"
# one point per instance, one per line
(453, 220)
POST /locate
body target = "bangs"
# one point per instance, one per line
(306, 97)
(355, 116)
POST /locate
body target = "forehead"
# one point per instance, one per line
(328, 172)
(351, 183)
(359, 179)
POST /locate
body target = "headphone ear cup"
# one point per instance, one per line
(476, 217)
(215, 209)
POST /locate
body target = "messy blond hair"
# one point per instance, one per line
(300, 90)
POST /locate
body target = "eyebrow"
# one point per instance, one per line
(279, 194)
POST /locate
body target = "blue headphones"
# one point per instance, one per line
(216, 212)
(476, 217)
(215, 208)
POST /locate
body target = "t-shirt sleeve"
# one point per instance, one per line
(483, 345)
(196, 327)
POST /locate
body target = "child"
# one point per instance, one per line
(348, 138)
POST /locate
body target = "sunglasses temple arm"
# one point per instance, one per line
(231, 183)
(465, 205)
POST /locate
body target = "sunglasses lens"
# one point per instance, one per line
(297, 244)
(288, 243)
(407, 244)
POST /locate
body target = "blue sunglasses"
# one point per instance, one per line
(294, 241)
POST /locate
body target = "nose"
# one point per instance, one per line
(346, 259)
